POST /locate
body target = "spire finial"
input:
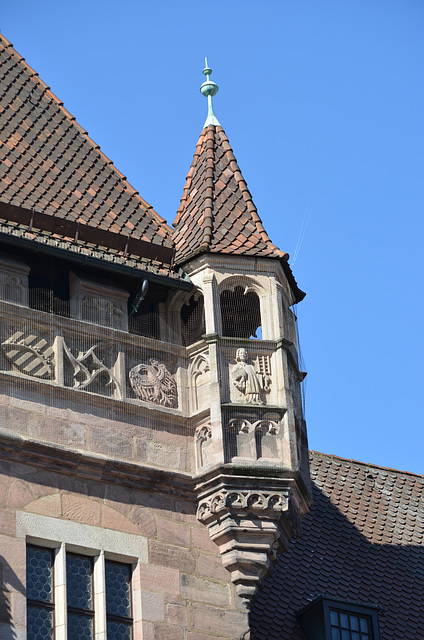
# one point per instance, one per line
(209, 89)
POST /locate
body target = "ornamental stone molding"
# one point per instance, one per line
(250, 526)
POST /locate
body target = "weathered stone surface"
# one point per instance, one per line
(159, 578)
(47, 506)
(114, 443)
(212, 620)
(173, 532)
(112, 519)
(200, 589)
(196, 635)
(177, 614)
(145, 521)
(163, 632)
(211, 566)
(81, 509)
(170, 556)
(201, 540)
(19, 494)
(153, 606)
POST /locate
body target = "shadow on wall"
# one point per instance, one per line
(9, 583)
(334, 559)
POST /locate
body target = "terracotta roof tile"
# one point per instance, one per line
(361, 541)
(50, 165)
(227, 203)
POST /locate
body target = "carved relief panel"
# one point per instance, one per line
(253, 435)
(152, 382)
(198, 380)
(14, 281)
(250, 380)
(203, 445)
(99, 304)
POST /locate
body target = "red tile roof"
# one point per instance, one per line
(217, 213)
(50, 165)
(362, 541)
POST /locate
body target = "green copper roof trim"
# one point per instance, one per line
(209, 89)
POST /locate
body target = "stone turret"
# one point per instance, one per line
(251, 449)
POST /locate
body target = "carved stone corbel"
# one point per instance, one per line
(249, 525)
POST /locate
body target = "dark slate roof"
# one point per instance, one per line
(49, 165)
(217, 213)
(362, 541)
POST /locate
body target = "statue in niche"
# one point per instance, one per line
(153, 383)
(251, 383)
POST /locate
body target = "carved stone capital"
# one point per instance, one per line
(249, 525)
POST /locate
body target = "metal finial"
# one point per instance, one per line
(209, 89)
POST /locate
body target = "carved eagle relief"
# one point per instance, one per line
(154, 383)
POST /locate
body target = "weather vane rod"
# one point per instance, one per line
(209, 89)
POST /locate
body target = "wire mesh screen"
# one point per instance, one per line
(193, 320)
(241, 316)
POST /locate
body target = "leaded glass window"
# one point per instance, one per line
(40, 607)
(118, 601)
(109, 586)
(79, 592)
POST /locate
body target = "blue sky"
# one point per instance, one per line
(323, 104)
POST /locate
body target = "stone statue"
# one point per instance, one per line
(153, 383)
(247, 380)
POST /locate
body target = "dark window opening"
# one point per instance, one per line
(193, 321)
(241, 315)
(49, 286)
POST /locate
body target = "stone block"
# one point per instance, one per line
(224, 622)
(176, 614)
(47, 506)
(111, 519)
(163, 632)
(19, 494)
(169, 556)
(71, 434)
(174, 532)
(158, 578)
(158, 454)
(144, 519)
(195, 635)
(80, 509)
(202, 590)
(7, 522)
(200, 539)
(212, 567)
(111, 442)
(153, 606)
(3, 492)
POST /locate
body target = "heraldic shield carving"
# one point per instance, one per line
(154, 383)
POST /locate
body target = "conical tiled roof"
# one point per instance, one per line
(50, 165)
(217, 213)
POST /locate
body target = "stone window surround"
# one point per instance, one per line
(101, 544)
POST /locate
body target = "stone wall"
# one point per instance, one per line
(180, 589)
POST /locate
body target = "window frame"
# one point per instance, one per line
(59, 605)
(315, 618)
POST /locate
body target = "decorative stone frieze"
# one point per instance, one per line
(251, 520)
(99, 304)
(14, 281)
(154, 383)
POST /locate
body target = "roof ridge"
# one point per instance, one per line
(46, 90)
(334, 456)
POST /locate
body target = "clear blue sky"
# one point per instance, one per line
(323, 104)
